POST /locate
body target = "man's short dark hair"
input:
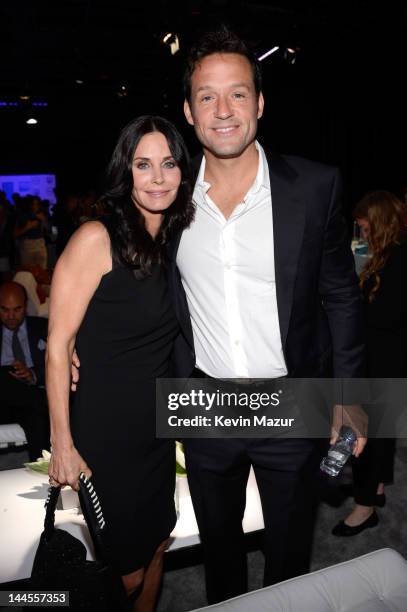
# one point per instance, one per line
(222, 40)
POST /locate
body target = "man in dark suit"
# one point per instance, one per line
(271, 291)
(22, 354)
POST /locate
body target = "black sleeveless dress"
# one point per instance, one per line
(124, 344)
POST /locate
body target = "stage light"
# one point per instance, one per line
(290, 55)
(123, 91)
(172, 41)
(31, 121)
(273, 50)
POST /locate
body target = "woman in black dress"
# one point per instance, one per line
(109, 299)
(383, 221)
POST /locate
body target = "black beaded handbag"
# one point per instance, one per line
(60, 561)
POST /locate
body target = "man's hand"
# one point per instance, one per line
(21, 372)
(354, 417)
(75, 365)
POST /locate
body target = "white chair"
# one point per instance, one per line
(12, 434)
(376, 582)
(34, 306)
(13, 447)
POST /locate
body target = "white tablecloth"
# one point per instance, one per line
(22, 496)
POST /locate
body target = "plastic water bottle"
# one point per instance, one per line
(339, 452)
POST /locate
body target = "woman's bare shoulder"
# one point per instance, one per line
(90, 244)
(92, 231)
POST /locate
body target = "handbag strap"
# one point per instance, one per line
(91, 507)
(89, 502)
(50, 506)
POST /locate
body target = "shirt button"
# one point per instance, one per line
(237, 342)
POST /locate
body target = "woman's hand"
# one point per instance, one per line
(65, 466)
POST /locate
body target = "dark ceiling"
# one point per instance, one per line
(48, 44)
(76, 56)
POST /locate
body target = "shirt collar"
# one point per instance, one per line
(200, 181)
(262, 177)
(22, 330)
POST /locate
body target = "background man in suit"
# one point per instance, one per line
(22, 346)
(272, 292)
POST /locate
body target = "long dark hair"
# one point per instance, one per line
(132, 245)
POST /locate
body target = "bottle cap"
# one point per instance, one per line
(347, 433)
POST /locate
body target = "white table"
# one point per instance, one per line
(22, 496)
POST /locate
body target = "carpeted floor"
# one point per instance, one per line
(184, 590)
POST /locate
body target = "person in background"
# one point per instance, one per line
(382, 218)
(22, 352)
(87, 201)
(30, 231)
(16, 199)
(7, 221)
(36, 281)
(65, 217)
(109, 298)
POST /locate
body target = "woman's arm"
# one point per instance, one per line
(76, 277)
(20, 230)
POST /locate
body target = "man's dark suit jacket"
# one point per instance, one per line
(318, 297)
(37, 329)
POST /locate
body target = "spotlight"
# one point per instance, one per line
(31, 121)
(290, 55)
(273, 50)
(123, 91)
(172, 41)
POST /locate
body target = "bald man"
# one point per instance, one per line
(22, 358)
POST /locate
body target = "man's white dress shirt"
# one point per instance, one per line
(227, 270)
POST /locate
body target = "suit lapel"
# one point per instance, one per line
(177, 291)
(288, 228)
(174, 280)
